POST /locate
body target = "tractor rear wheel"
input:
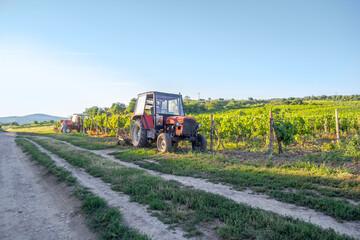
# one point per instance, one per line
(200, 143)
(139, 135)
(164, 142)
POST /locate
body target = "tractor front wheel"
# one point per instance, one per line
(164, 142)
(200, 143)
(68, 130)
(139, 135)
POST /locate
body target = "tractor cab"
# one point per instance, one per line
(156, 107)
(161, 117)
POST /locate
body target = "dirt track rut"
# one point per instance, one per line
(246, 197)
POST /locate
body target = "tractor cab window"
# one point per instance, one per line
(149, 105)
(171, 105)
(140, 105)
(74, 118)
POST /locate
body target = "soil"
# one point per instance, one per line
(351, 228)
(32, 205)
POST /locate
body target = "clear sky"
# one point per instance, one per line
(59, 57)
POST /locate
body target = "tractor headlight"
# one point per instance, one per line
(199, 125)
(177, 124)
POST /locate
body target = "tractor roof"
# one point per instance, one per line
(159, 93)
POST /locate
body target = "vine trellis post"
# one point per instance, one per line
(271, 134)
(216, 130)
(337, 125)
(325, 126)
(106, 119)
(117, 127)
(97, 125)
(212, 133)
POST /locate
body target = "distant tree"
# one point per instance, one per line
(192, 106)
(36, 122)
(251, 99)
(117, 108)
(322, 97)
(94, 111)
(130, 108)
(15, 123)
(215, 105)
(233, 104)
(297, 101)
(51, 121)
(285, 101)
(187, 98)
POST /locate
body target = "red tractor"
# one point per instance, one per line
(160, 117)
(76, 123)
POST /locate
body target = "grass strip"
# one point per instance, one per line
(191, 209)
(303, 184)
(82, 140)
(102, 219)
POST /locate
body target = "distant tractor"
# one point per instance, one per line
(160, 117)
(76, 123)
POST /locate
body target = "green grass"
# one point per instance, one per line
(177, 205)
(301, 183)
(102, 219)
(38, 129)
(83, 140)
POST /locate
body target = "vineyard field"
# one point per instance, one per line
(249, 127)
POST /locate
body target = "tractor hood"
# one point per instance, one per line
(180, 119)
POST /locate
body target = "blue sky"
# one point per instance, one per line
(59, 57)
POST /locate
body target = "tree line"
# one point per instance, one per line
(115, 109)
(35, 123)
(219, 105)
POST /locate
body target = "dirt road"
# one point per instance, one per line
(34, 206)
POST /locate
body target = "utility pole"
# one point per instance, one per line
(198, 96)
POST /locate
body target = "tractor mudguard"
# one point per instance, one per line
(148, 121)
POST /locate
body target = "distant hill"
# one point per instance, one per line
(29, 118)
